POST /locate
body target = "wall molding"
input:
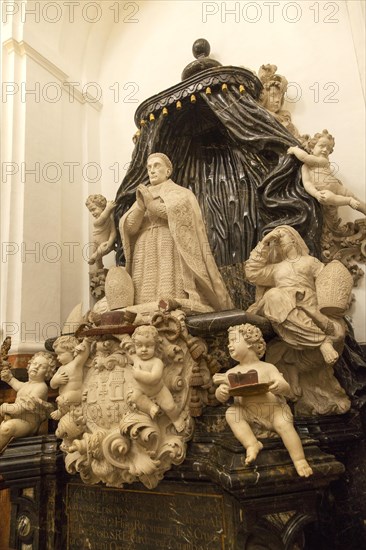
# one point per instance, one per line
(356, 13)
(24, 49)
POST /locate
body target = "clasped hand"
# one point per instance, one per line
(143, 197)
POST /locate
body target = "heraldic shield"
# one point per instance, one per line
(139, 393)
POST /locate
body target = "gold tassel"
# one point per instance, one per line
(241, 89)
(151, 117)
(136, 136)
(196, 377)
(195, 405)
(224, 87)
(178, 105)
(193, 98)
(211, 397)
(165, 111)
(208, 90)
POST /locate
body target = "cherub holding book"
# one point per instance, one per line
(268, 407)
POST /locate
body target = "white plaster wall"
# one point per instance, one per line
(42, 263)
(141, 50)
(44, 225)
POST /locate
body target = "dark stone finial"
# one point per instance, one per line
(201, 48)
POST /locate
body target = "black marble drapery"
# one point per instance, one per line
(231, 153)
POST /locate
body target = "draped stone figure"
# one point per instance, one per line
(166, 246)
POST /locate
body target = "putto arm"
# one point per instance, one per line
(306, 158)
(152, 377)
(257, 270)
(6, 376)
(111, 205)
(278, 386)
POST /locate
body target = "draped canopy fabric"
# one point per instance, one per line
(231, 152)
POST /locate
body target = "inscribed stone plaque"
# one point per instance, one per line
(116, 519)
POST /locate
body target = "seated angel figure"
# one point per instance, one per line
(285, 275)
(30, 409)
(318, 177)
(268, 409)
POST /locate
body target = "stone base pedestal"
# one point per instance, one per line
(212, 501)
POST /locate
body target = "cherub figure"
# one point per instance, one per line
(273, 97)
(69, 378)
(148, 373)
(104, 233)
(269, 409)
(30, 409)
(317, 175)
